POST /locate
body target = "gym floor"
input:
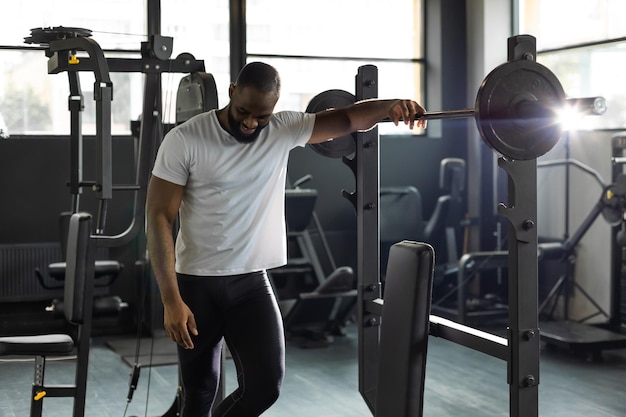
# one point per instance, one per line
(323, 382)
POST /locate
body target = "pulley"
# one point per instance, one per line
(43, 36)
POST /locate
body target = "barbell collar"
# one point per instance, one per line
(595, 106)
(527, 109)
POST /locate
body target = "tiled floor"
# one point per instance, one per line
(323, 382)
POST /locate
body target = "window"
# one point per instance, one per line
(316, 46)
(324, 50)
(562, 23)
(593, 71)
(32, 102)
(201, 28)
(586, 51)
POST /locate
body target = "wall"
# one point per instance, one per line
(559, 216)
(35, 172)
(34, 192)
(488, 27)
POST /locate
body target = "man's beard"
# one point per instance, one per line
(235, 130)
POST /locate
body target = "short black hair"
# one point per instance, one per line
(261, 76)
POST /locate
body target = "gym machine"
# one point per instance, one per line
(78, 298)
(61, 46)
(515, 114)
(315, 306)
(577, 335)
(573, 335)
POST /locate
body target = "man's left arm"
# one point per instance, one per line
(364, 115)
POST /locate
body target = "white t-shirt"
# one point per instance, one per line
(232, 216)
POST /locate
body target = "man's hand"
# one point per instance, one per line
(179, 322)
(407, 111)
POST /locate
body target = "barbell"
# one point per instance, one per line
(516, 111)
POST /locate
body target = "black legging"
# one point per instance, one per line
(243, 310)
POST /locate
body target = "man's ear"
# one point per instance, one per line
(231, 90)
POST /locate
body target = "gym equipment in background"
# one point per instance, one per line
(564, 332)
(61, 47)
(78, 299)
(315, 306)
(515, 115)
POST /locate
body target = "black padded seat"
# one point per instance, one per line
(103, 306)
(103, 268)
(38, 345)
(404, 330)
(78, 300)
(105, 273)
(441, 229)
(299, 205)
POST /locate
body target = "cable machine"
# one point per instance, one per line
(63, 46)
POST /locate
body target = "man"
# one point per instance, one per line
(224, 172)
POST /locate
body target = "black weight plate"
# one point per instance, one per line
(197, 93)
(43, 36)
(341, 146)
(498, 115)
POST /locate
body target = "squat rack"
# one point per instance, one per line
(521, 348)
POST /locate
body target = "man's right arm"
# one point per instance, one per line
(162, 204)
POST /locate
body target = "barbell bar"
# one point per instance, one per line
(528, 109)
(516, 111)
(443, 114)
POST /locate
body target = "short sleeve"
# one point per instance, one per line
(299, 124)
(172, 161)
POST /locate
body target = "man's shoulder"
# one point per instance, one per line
(195, 128)
(287, 117)
(201, 119)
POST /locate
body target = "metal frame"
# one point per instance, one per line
(77, 312)
(151, 128)
(521, 348)
(151, 123)
(58, 53)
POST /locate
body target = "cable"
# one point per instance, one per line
(145, 273)
(134, 375)
(120, 33)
